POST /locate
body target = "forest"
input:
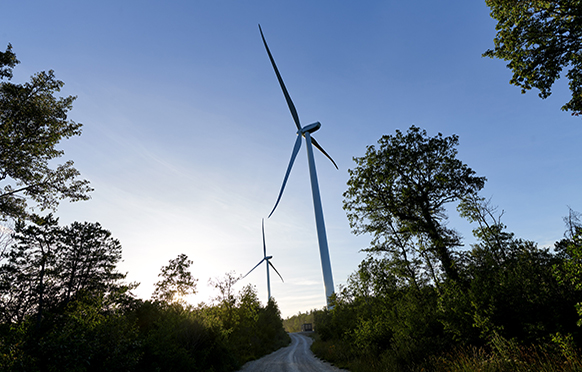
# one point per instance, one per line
(421, 300)
(64, 306)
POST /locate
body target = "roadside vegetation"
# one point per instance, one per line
(63, 304)
(421, 300)
(65, 307)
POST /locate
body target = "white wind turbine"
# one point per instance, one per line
(305, 132)
(266, 258)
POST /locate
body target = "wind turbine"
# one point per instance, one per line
(305, 132)
(266, 258)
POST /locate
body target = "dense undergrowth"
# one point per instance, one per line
(518, 314)
(506, 357)
(65, 308)
(421, 300)
(147, 336)
(521, 314)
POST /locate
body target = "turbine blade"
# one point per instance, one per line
(314, 142)
(285, 92)
(253, 268)
(293, 156)
(273, 266)
(264, 244)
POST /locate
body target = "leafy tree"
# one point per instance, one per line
(5, 240)
(7, 62)
(294, 322)
(399, 191)
(244, 337)
(32, 122)
(512, 291)
(226, 299)
(84, 338)
(377, 317)
(49, 265)
(270, 328)
(27, 276)
(176, 283)
(174, 338)
(540, 38)
(88, 260)
(570, 250)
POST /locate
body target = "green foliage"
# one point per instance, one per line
(569, 270)
(32, 123)
(103, 332)
(396, 324)
(84, 337)
(512, 291)
(540, 38)
(177, 282)
(398, 193)
(177, 339)
(7, 62)
(504, 304)
(507, 355)
(251, 330)
(48, 265)
(294, 322)
(63, 306)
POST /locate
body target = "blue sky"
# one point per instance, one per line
(187, 136)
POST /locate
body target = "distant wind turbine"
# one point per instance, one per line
(305, 132)
(266, 258)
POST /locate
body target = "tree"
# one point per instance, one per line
(26, 276)
(540, 38)
(570, 250)
(87, 260)
(177, 282)
(5, 240)
(7, 62)
(32, 122)
(49, 265)
(400, 190)
(511, 289)
(226, 300)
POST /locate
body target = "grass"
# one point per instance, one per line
(559, 356)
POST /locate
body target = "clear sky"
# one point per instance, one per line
(187, 135)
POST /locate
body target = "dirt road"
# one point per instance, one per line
(294, 358)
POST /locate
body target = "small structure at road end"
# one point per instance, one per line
(306, 327)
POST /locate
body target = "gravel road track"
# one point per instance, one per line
(297, 357)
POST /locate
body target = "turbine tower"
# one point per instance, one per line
(305, 132)
(266, 258)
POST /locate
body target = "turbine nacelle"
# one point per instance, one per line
(310, 128)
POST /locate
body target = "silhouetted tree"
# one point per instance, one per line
(176, 283)
(399, 191)
(540, 38)
(49, 265)
(32, 122)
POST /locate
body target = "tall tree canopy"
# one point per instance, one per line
(32, 122)
(49, 265)
(540, 38)
(399, 191)
(176, 281)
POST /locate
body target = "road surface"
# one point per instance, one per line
(297, 357)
